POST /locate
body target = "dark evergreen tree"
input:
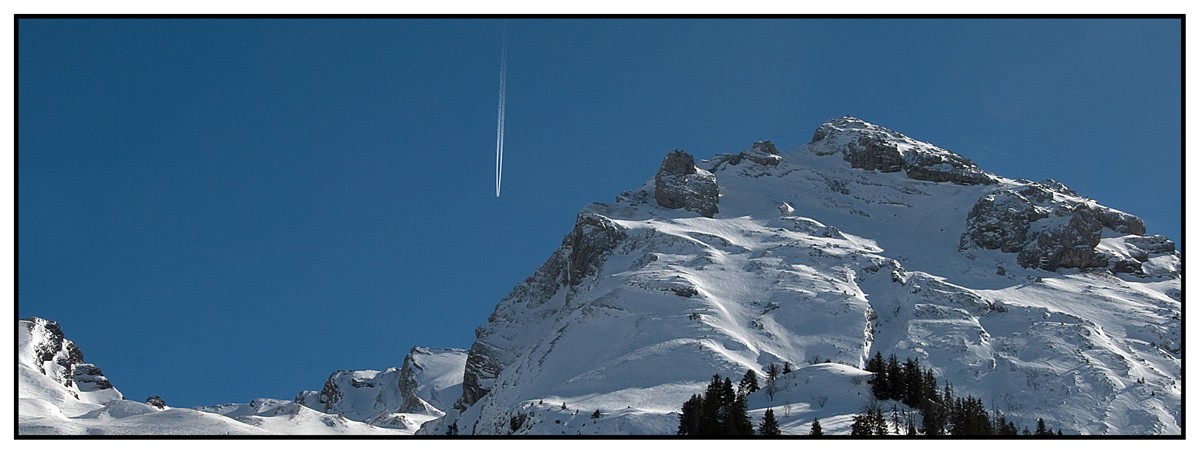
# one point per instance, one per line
(968, 418)
(815, 431)
(734, 419)
(453, 429)
(1041, 429)
(769, 427)
(787, 367)
(912, 388)
(869, 424)
(721, 412)
(710, 414)
(749, 383)
(875, 364)
(893, 385)
(689, 416)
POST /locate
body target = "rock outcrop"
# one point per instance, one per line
(60, 359)
(679, 184)
(871, 147)
(47, 357)
(1048, 226)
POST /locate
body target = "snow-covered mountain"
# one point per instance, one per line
(60, 394)
(1039, 301)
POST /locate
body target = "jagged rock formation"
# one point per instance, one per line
(426, 384)
(870, 147)
(1048, 226)
(679, 184)
(62, 361)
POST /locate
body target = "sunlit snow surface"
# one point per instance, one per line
(861, 262)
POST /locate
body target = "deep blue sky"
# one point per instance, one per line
(218, 210)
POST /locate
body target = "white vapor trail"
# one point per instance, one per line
(500, 119)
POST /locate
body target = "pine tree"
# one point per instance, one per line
(875, 364)
(871, 423)
(689, 416)
(453, 429)
(769, 427)
(912, 388)
(787, 367)
(710, 411)
(734, 421)
(815, 431)
(893, 374)
(1041, 429)
(749, 383)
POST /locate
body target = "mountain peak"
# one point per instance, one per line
(872, 147)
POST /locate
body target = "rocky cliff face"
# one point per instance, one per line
(679, 184)
(61, 360)
(1049, 226)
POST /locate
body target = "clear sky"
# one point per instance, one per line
(218, 210)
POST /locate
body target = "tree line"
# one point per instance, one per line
(942, 412)
(721, 411)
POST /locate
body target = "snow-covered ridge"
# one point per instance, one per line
(817, 261)
(59, 394)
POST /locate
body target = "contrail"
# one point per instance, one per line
(500, 118)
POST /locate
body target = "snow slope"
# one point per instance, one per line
(850, 245)
(59, 394)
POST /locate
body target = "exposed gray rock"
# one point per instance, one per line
(1154, 244)
(590, 243)
(679, 184)
(875, 148)
(1048, 226)
(88, 377)
(762, 152)
(411, 403)
(330, 394)
(582, 255)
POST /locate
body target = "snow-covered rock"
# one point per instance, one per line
(871, 147)
(41, 346)
(429, 381)
(1050, 227)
